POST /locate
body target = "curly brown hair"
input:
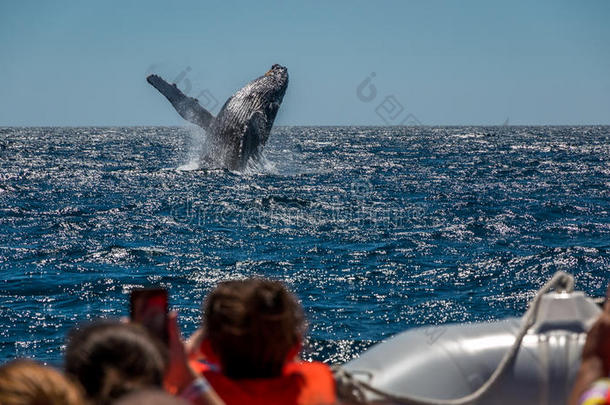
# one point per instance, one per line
(252, 326)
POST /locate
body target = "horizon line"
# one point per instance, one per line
(318, 126)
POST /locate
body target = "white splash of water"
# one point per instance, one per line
(203, 154)
(198, 138)
(261, 165)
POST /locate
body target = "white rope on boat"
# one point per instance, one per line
(354, 390)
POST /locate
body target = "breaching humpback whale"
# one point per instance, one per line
(243, 124)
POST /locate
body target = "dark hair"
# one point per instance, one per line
(252, 325)
(25, 382)
(111, 358)
(150, 397)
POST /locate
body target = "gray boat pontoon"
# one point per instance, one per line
(526, 361)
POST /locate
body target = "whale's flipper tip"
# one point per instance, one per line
(154, 79)
(171, 92)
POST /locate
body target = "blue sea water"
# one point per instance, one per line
(377, 229)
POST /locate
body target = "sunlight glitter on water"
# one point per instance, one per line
(375, 229)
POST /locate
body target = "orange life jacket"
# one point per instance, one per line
(301, 383)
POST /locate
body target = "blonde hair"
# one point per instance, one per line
(25, 382)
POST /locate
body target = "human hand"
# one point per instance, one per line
(179, 374)
(193, 345)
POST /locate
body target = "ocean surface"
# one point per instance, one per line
(376, 229)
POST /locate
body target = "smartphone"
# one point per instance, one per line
(148, 307)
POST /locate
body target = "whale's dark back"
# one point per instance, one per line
(243, 125)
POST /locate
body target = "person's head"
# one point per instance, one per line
(25, 382)
(253, 326)
(111, 359)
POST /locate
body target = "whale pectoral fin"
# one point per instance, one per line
(187, 107)
(253, 136)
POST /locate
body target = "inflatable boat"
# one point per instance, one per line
(526, 361)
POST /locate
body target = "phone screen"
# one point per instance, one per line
(149, 308)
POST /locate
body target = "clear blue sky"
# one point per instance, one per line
(447, 62)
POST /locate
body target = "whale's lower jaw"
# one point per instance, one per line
(240, 132)
(233, 156)
(230, 147)
(227, 155)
